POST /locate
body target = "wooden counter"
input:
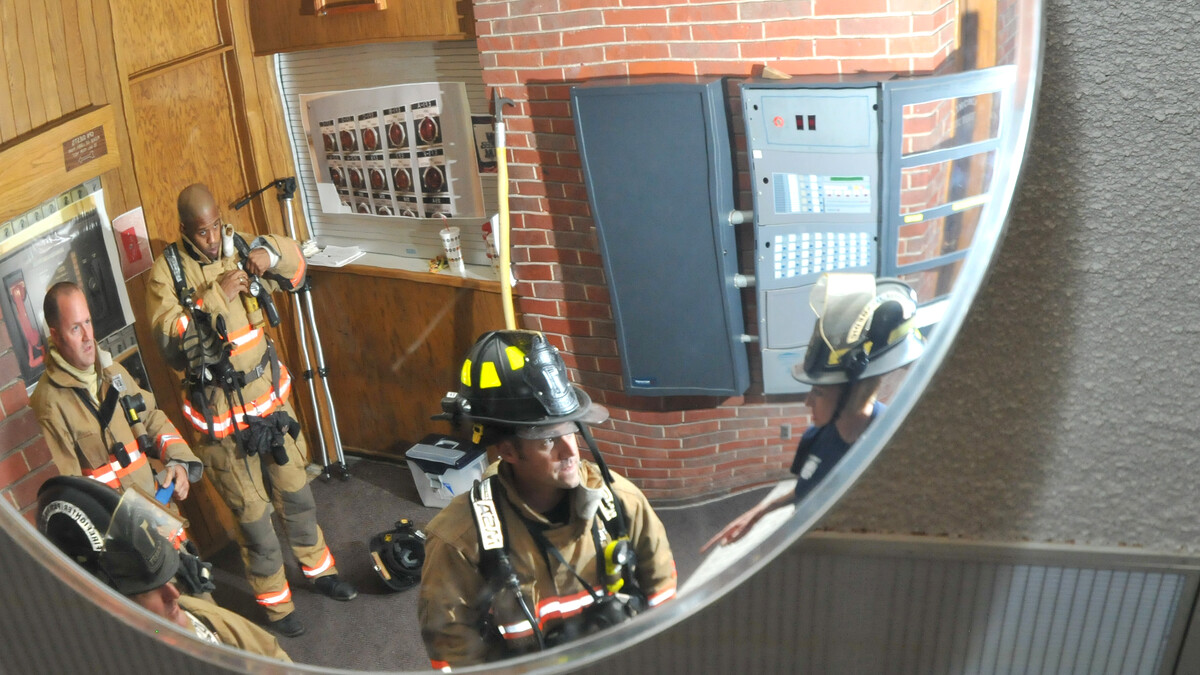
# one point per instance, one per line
(394, 342)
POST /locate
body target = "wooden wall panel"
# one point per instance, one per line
(183, 28)
(288, 25)
(181, 140)
(394, 348)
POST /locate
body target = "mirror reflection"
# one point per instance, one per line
(609, 498)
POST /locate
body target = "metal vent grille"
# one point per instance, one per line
(845, 606)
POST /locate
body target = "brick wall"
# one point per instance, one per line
(676, 448)
(24, 457)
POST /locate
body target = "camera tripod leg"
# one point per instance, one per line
(304, 310)
(339, 467)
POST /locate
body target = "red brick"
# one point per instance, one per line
(593, 36)
(10, 369)
(876, 65)
(494, 76)
(855, 47)
(568, 21)
(494, 43)
(519, 60)
(638, 16)
(37, 453)
(549, 109)
(532, 7)
(773, 9)
(705, 50)
(485, 11)
(578, 208)
(531, 41)
(800, 28)
(539, 306)
(18, 429)
(658, 33)
(517, 24)
(850, 7)
(724, 68)
(727, 32)
(598, 70)
(24, 491)
(920, 44)
(517, 203)
(636, 52)
(916, 6)
(875, 25)
(5, 340)
(12, 469)
(695, 14)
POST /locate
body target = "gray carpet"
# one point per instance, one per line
(378, 630)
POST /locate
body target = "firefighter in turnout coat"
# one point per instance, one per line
(207, 298)
(82, 406)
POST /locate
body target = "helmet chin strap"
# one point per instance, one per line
(623, 523)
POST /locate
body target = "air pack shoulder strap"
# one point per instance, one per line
(175, 265)
(489, 526)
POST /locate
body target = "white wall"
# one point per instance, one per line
(1067, 412)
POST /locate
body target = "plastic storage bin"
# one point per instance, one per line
(443, 467)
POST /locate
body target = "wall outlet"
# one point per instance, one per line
(785, 430)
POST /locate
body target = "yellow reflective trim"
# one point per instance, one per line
(476, 433)
(466, 373)
(488, 377)
(516, 357)
(835, 356)
(914, 218)
(969, 202)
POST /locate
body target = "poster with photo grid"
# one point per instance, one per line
(400, 151)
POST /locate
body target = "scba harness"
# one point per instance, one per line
(617, 599)
(208, 364)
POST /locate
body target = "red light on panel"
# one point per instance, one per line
(778, 122)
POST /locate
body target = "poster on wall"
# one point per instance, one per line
(400, 151)
(72, 244)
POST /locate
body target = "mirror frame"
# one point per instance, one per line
(1028, 56)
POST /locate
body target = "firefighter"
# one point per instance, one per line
(83, 403)
(548, 546)
(865, 328)
(124, 541)
(209, 299)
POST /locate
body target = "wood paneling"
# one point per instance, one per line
(394, 348)
(182, 28)
(35, 168)
(181, 139)
(288, 25)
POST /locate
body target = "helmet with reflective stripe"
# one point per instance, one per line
(121, 539)
(399, 555)
(516, 378)
(865, 327)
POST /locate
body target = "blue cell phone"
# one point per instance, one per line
(163, 495)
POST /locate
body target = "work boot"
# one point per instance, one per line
(288, 626)
(335, 588)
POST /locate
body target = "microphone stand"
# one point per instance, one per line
(304, 309)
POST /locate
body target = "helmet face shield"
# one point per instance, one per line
(139, 555)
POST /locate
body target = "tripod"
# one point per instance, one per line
(304, 308)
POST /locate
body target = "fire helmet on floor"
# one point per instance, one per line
(398, 555)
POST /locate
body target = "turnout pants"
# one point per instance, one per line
(239, 480)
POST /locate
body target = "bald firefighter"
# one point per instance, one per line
(548, 547)
(209, 301)
(97, 421)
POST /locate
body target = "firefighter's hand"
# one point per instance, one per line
(736, 529)
(234, 282)
(258, 261)
(177, 474)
